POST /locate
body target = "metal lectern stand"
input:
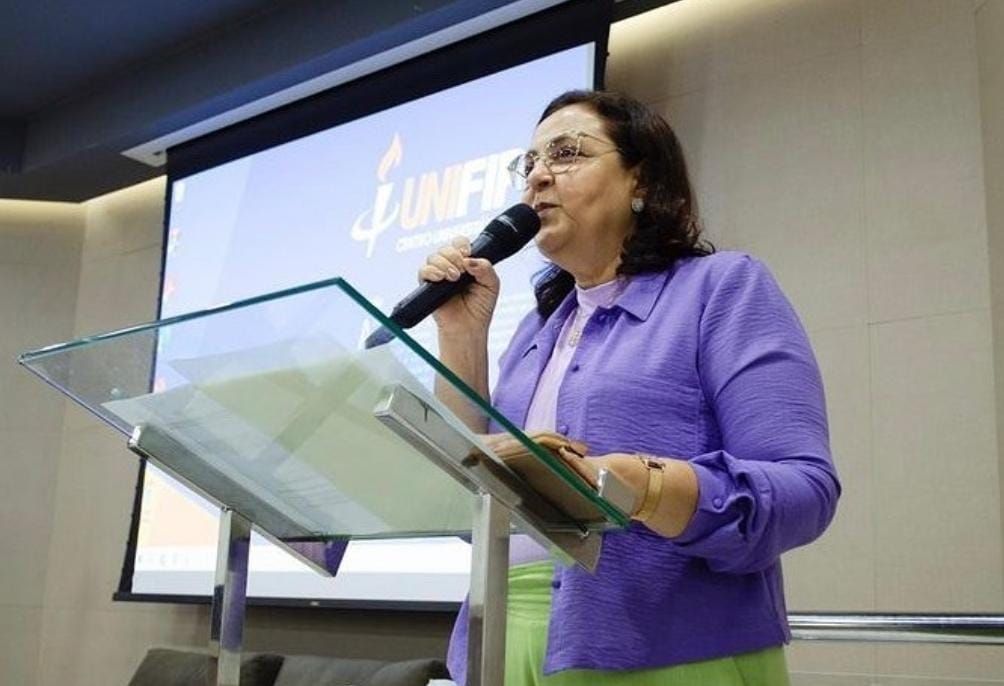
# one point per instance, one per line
(268, 408)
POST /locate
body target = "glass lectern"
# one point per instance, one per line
(271, 408)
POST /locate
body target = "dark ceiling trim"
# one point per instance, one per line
(625, 9)
(11, 145)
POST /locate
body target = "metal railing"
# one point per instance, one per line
(984, 629)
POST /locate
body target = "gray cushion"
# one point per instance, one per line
(308, 670)
(165, 667)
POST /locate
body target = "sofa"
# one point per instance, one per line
(167, 667)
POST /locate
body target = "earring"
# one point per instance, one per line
(637, 205)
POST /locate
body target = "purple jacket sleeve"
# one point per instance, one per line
(328, 554)
(772, 486)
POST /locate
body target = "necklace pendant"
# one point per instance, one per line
(575, 332)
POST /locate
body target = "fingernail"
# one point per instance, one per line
(453, 273)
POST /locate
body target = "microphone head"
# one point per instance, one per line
(511, 230)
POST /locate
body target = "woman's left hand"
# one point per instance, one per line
(678, 501)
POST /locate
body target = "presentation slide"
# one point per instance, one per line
(367, 201)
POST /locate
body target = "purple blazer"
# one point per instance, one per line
(705, 361)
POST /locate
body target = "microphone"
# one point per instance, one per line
(503, 236)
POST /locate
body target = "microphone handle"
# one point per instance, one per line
(427, 298)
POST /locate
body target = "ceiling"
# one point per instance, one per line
(59, 50)
(82, 82)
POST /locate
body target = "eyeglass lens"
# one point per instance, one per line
(559, 156)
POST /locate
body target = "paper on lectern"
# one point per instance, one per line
(292, 422)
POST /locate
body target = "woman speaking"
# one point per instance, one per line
(687, 373)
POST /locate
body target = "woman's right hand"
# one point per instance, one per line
(470, 312)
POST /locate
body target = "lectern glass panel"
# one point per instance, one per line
(272, 406)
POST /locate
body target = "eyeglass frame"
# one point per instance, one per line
(516, 174)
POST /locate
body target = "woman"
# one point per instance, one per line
(684, 371)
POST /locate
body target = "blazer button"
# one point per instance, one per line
(575, 367)
(563, 429)
(555, 584)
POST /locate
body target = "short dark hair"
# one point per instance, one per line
(667, 228)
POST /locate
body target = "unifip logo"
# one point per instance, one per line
(429, 208)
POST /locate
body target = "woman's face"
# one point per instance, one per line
(585, 212)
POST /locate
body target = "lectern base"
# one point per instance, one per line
(489, 587)
(229, 599)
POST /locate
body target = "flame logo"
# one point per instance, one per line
(383, 214)
(390, 159)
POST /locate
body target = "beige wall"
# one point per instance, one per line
(990, 46)
(842, 141)
(83, 632)
(39, 264)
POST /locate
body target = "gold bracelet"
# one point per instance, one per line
(653, 491)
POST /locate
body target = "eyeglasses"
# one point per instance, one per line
(559, 156)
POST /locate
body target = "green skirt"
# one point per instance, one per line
(526, 643)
